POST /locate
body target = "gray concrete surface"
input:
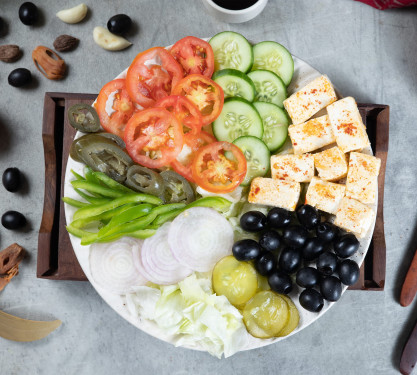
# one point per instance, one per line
(368, 54)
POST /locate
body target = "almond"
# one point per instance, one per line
(9, 53)
(65, 43)
(49, 63)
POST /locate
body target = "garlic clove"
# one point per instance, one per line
(73, 15)
(105, 39)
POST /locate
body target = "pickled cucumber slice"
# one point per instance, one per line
(293, 320)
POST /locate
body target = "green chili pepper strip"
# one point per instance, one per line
(112, 183)
(141, 234)
(74, 202)
(95, 188)
(77, 176)
(78, 232)
(91, 199)
(89, 175)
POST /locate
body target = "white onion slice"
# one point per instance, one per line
(199, 237)
(112, 267)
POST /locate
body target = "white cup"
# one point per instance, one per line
(234, 16)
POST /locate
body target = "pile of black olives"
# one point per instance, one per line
(301, 245)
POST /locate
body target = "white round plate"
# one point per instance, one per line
(303, 74)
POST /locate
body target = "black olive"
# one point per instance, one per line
(19, 77)
(11, 179)
(246, 250)
(280, 282)
(313, 248)
(279, 218)
(289, 260)
(253, 221)
(327, 231)
(346, 245)
(307, 277)
(119, 24)
(311, 300)
(308, 216)
(331, 288)
(28, 13)
(348, 271)
(295, 236)
(13, 220)
(270, 240)
(2, 26)
(266, 263)
(327, 263)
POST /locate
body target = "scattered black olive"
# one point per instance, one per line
(20, 77)
(348, 271)
(346, 245)
(246, 250)
(308, 216)
(313, 248)
(289, 260)
(311, 300)
(331, 288)
(266, 263)
(327, 263)
(295, 236)
(11, 179)
(28, 13)
(120, 24)
(280, 282)
(279, 218)
(13, 220)
(307, 277)
(327, 231)
(270, 240)
(253, 221)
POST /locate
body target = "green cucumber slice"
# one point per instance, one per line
(274, 57)
(269, 87)
(235, 84)
(275, 123)
(231, 50)
(257, 157)
(238, 118)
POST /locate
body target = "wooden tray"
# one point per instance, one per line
(56, 258)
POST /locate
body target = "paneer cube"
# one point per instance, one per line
(299, 168)
(277, 193)
(347, 125)
(354, 216)
(331, 164)
(311, 135)
(325, 196)
(306, 102)
(362, 178)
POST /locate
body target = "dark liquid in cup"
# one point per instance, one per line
(235, 4)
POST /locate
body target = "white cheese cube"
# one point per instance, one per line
(331, 164)
(347, 125)
(362, 177)
(278, 193)
(324, 195)
(299, 168)
(311, 135)
(306, 102)
(354, 216)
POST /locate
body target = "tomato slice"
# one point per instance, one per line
(195, 56)
(219, 167)
(152, 75)
(192, 143)
(206, 94)
(185, 112)
(114, 106)
(153, 137)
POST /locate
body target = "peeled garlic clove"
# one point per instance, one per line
(105, 39)
(73, 15)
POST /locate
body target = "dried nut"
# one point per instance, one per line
(73, 15)
(9, 53)
(65, 43)
(49, 63)
(105, 39)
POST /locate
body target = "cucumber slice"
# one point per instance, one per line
(238, 118)
(235, 83)
(231, 50)
(275, 123)
(269, 87)
(274, 57)
(257, 157)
